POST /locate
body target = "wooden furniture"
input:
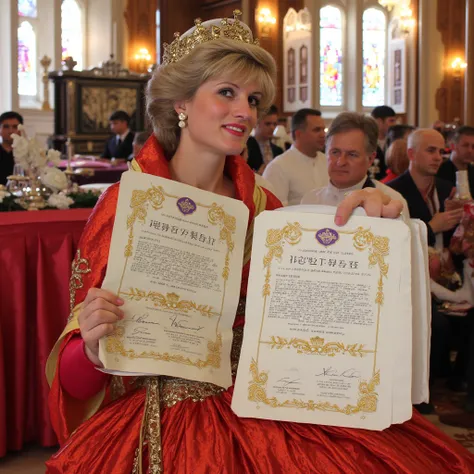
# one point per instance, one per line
(84, 101)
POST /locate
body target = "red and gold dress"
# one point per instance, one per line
(175, 426)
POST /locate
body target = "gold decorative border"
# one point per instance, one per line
(367, 401)
(316, 346)
(115, 345)
(155, 197)
(363, 239)
(171, 301)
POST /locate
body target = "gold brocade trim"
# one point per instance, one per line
(117, 387)
(114, 345)
(79, 267)
(153, 425)
(174, 390)
(164, 391)
(171, 301)
(316, 346)
(367, 401)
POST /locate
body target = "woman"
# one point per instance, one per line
(195, 431)
(396, 159)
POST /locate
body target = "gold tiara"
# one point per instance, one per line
(210, 30)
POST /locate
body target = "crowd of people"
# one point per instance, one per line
(417, 166)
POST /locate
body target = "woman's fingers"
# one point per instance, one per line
(101, 316)
(393, 209)
(95, 293)
(98, 332)
(374, 202)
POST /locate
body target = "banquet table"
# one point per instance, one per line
(36, 251)
(95, 170)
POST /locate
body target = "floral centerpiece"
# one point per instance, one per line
(44, 185)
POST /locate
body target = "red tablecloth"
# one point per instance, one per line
(36, 251)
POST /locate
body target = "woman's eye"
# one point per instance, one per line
(254, 101)
(227, 92)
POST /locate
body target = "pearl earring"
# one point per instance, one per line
(182, 120)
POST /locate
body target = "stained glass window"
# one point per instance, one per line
(72, 38)
(373, 50)
(27, 82)
(330, 63)
(27, 8)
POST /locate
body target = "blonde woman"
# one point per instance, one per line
(215, 91)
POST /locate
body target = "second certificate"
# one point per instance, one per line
(317, 343)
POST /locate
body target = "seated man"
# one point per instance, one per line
(260, 148)
(351, 146)
(425, 193)
(9, 122)
(462, 157)
(429, 199)
(120, 145)
(303, 167)
(138, 141)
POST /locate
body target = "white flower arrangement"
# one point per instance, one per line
(36, 161)
(3, 195)
(53, 178)
(60, 201)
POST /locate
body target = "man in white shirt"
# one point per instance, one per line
(351, 146)
(303, 167)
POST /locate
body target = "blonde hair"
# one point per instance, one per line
(179, 82)
(396, 156)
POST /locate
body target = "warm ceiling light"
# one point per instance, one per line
(265, 16)
(143, 55)
(458, 66)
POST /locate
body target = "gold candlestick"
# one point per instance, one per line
(45, 62)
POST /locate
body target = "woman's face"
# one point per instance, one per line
(221, 115)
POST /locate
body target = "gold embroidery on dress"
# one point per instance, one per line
(167, 392)
(153, 425)
(80, 267)
(117, 387)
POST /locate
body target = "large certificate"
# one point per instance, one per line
(176, 260)
(326, 312)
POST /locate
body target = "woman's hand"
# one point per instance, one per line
(374, 201)
(100, 312)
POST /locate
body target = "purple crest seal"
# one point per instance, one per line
(186, 205)
(327, 236)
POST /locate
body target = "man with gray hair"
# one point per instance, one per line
(303, 167)
(351, 146)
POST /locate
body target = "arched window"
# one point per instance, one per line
(330, 62)
(72, 34)
(373, 51)
(27, 8)
(27, 81)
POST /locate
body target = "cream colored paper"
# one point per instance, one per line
(176, 259)
(319, 338)
(421, 312)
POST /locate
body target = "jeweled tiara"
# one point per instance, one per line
(201, 33)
